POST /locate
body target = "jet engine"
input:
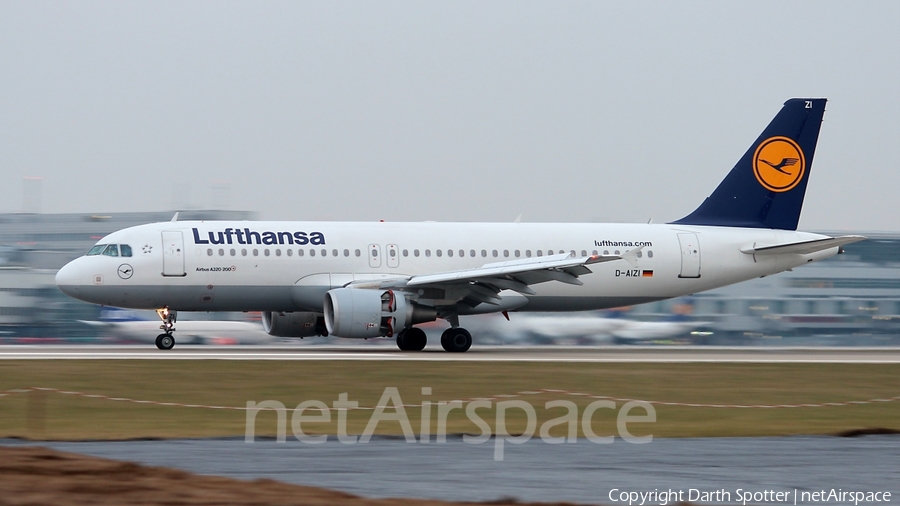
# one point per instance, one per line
(297, 324)
(359, 312)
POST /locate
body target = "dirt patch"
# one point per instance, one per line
(876, 431)
(34, 475)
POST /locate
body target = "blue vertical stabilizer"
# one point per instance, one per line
(766, 187)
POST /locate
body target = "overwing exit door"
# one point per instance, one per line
(374, 256)
(393, 255)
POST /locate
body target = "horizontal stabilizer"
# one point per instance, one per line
(805, 247)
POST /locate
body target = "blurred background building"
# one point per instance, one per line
(850, 299)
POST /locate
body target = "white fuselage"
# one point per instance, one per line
(209, 266)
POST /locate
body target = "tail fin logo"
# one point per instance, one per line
(779, 164)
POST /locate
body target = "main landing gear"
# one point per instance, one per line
(412, 339)
(166, 341)
(455, 340)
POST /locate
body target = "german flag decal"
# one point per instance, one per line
(647, 274)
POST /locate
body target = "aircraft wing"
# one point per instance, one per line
(805, 247)
(482, 284)
(529, 271)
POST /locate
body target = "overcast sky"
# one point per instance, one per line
(456, 111)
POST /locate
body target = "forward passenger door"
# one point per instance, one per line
(173, 253)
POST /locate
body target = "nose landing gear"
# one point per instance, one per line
(166, 341)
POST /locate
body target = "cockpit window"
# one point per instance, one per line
(112, 250)
(125, 250)
(96, 250)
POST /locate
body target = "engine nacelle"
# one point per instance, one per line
(360, 313)
(296, 324)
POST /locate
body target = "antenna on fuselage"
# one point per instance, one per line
(175, 218)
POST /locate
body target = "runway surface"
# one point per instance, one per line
(660, 354)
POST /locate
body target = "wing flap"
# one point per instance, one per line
(804, 247)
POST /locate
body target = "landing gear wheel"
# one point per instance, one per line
(412, 339)
(415, 339)
(165, 341)
(456, 340)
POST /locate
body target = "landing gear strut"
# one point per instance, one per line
(456, 340)
(166, 340)
(412, 339)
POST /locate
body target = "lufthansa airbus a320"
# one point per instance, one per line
(369, 280)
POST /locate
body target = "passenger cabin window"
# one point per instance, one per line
(111, 250)
(96, 250)
(125, 250)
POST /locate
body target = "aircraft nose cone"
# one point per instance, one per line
(69, 279)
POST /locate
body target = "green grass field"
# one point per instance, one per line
(48, 415)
